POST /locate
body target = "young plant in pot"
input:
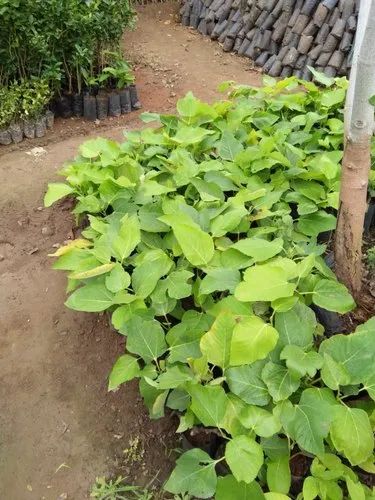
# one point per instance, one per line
(53, 75)
(8, 113)
(102, 98)
(81, 59)
(34, 97)
(123, 79)
(89, 100)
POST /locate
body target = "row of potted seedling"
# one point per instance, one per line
(99, 106)
(91, 107)
(28, 129)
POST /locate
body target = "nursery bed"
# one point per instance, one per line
(59, 426)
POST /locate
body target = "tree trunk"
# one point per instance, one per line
(359, 124)
(348, 240)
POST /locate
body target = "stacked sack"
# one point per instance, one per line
(281, 36)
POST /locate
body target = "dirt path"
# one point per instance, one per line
(59, 427)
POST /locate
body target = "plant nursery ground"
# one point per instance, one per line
(59, 427)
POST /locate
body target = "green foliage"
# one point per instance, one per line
(206, 217)
(118, 70)
(59, 40)
(331, 479)
(24, 100)
(10, 107)
(117, 489)
(34, 97)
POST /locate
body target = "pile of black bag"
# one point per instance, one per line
(281, 36)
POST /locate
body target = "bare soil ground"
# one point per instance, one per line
(59, 427)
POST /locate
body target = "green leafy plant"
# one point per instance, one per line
(203, 246)
(117, 489)
(9, 109)
(59, 39)
(330, 478)
(25, 100)
(119, 70)
(94, 82)
(34, 95)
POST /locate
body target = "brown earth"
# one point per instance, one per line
(59, 427)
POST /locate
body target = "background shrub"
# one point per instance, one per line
(59, 39)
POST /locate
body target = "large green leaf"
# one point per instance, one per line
(122, 314)
(310, 488)
(264, 283)
(321, 77)
(186, 135)
(231, 421)
(220, 279)
(275, 447)
(174, 376)
(178, 399)
(90, 298)
(126, 368)
(296, 326)
(278, 475)
(351, 434)
(209, 191)
(216, 343)
(301, 363)
(252, 340)
(208, 403)
(244, 457)
(356, 490)
(317, 222)
(246, 382)
(184, 338)
(127, 238)
(334, 374)
(309, 421)
(259, 249)
(145, 277)
(188, 106)
(194, 474)
(280, 381)
(354, 352)
(145, 338)
(230, 304)
(118, 279)
(261, 421)
(56, 191)
(228, 146)
(333, 296)
(332, 97)
(153, 398)
(228, 488)
(177, 284)
(197, 246)
(227, 222)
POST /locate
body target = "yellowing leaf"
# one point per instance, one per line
(97, 271)
(79, 243)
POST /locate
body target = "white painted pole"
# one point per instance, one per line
(359, 113)
(359, 126)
